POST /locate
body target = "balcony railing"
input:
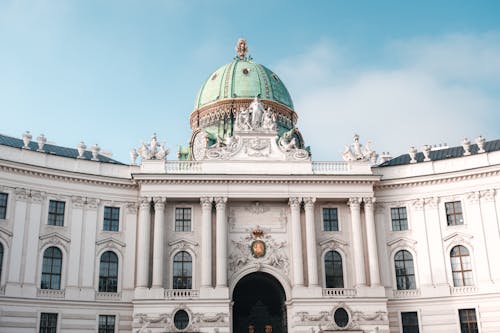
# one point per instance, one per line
(406, 293)
(50, 293)
(338, 292)
(330, 167)
(183, 167)
(465, 290)
(101, 295)
(182, 293)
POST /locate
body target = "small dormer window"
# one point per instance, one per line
(245, 71)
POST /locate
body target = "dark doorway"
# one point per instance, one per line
(259, 300)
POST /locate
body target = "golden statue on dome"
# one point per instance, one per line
(241, 48)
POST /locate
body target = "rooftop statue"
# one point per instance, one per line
(241, 48)
(356, 152)
(153, 151)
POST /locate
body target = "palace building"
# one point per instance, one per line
(244, 232)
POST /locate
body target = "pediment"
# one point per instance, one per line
(183, 241)
(332, 241)
(5, 232)
(404, 241)
(111, 242)
(55, 235)
(458, 236)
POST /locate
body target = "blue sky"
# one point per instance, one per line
(113, 72)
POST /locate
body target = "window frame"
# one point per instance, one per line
(401, 320)
(399, 218)
(465, 307)
(2, 262)
(39, 321)
(191, 225)
(99, 262)
(111, 220)
(322, 209)
(49, 213)
(471, 270)
(5, 208)
(173, 285)
(454, 213)
(107, 315)
(395, 275)
(333, 263)
(61, 273)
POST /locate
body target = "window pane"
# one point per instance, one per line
(183, 219)
(399, 219)
(330, 219)
(3, 205)
(334, 275)
(405, 273)
(409, 321)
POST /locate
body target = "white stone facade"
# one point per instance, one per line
(226, 207)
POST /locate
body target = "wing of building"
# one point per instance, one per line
(244, 232)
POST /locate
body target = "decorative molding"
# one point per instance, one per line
(182, 245)
(432, 202)
(488, 195)
(294, 202)
(274, 255)
(77, 201)
(257, 208)
(220, 202)
(145, 202)
(159, 203)
(21, 194)
(206, 202)
(309, 202)
(333, 244)
(54, 238)
(339, 292)
(110, 243)
(181, 294)
(37, 196)
(354, 202)
(402, 242)
(418, 204)
(369, 201)
(131, 207)
(458, 238)
(473, 197)
(92, 203)
(51, 293)
(106, 296)
(406, 293)
(67, 176)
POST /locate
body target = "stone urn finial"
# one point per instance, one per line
(41, 140)
(413, 154)
(480, 144)
(133, 156)
(466, 146)
(95, 149)
(27, 139)
(426, 151)
(81, 149)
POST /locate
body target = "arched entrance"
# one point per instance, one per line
(259, 299)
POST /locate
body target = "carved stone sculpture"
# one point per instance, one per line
(155, 150)
(357, 152)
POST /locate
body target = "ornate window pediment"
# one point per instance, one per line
(402, 242)
(458, 238)
(55, 238)
(109, 243)
(182, 244)
(6, 235)
(333, 243)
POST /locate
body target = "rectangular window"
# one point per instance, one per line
(182, 219)
(468, 321)
(48, 322)
(56, 213)
(330, 219)
(399, 219)
(111, 218)
(409, 321)
(3, 205)
(106, 324)
(454, 214)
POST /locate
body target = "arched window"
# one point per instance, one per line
(51, 268)
(461, 267)
(405, 274)
(108, 272)
(334, 274)
(183, 271)
(1, 260)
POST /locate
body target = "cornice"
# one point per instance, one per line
(441, 178)
(66, 176)
(156, 179)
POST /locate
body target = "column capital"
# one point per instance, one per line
(159, 203)
(131, 207)
(309, 202)
(77, 201)
(206, 202)
(432, 202)
(488, 195)
(92, 203)
(418, 204)
(369, 201)
(354, 202)
(294, 202)
(220, 202)
(144, 202)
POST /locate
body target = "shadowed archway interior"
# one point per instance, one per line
(259, 300)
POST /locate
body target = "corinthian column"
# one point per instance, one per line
(357, 240)
(298, 266)
(221, 237)
(312, 258)
(143, 240)
(206, 242)
(371, 239)
(158, 242)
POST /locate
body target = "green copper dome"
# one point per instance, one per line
(243, 78)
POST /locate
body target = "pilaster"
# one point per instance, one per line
(298, 264)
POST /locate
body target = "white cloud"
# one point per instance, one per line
(438, 90)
